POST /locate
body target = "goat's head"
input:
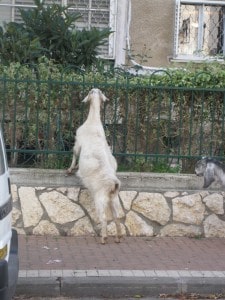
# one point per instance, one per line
(206, 167)
(95, 94)
(200, 166)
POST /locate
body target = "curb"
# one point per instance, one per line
(118, 284)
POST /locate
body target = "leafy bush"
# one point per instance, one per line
(50, 31)
(171, 114)
(155, 165)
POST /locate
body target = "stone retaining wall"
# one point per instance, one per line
(48, 202)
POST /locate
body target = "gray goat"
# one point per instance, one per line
(212, 170)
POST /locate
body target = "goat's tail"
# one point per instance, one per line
(114, 189)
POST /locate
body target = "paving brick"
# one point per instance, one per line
(133, 253)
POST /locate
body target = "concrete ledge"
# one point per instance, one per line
(130, 181)
(42, 177)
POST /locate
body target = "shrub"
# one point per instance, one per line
(177, 114)
(50, 31)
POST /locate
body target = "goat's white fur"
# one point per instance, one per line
(97, 166)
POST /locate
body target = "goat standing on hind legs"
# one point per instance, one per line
(97, 166)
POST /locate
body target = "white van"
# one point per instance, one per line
(9, 262)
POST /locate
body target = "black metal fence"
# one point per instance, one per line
(149, 127)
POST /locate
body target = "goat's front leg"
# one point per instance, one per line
(73, 166)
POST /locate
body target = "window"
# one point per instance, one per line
(200, 29)
(95, 13)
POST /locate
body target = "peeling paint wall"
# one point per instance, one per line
(152, 27)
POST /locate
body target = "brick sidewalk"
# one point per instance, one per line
(81, 267)
(133, 253)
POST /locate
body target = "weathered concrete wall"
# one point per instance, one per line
(48, 202)
(152, 27)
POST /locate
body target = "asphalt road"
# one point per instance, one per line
(165, 297)
(63, 298)
(92, 298)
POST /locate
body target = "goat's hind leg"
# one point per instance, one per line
(101, 207)
(104, 234)
(115, 212)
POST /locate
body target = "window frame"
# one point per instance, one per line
(188, 57)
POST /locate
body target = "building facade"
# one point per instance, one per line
(148, 33)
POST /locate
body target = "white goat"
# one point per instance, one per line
(97, 166)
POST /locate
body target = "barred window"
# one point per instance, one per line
(200, 28)
(94, 13)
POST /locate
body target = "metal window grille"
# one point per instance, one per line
(94, 13)
(200, 29)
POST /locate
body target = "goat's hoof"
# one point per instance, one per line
(104, 240)
(69, 172)
(117, 240)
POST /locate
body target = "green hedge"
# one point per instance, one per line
(153, 122)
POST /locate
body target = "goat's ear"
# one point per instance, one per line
(104, 98)
(86, 99)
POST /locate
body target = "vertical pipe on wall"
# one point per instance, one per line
(122, 32)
